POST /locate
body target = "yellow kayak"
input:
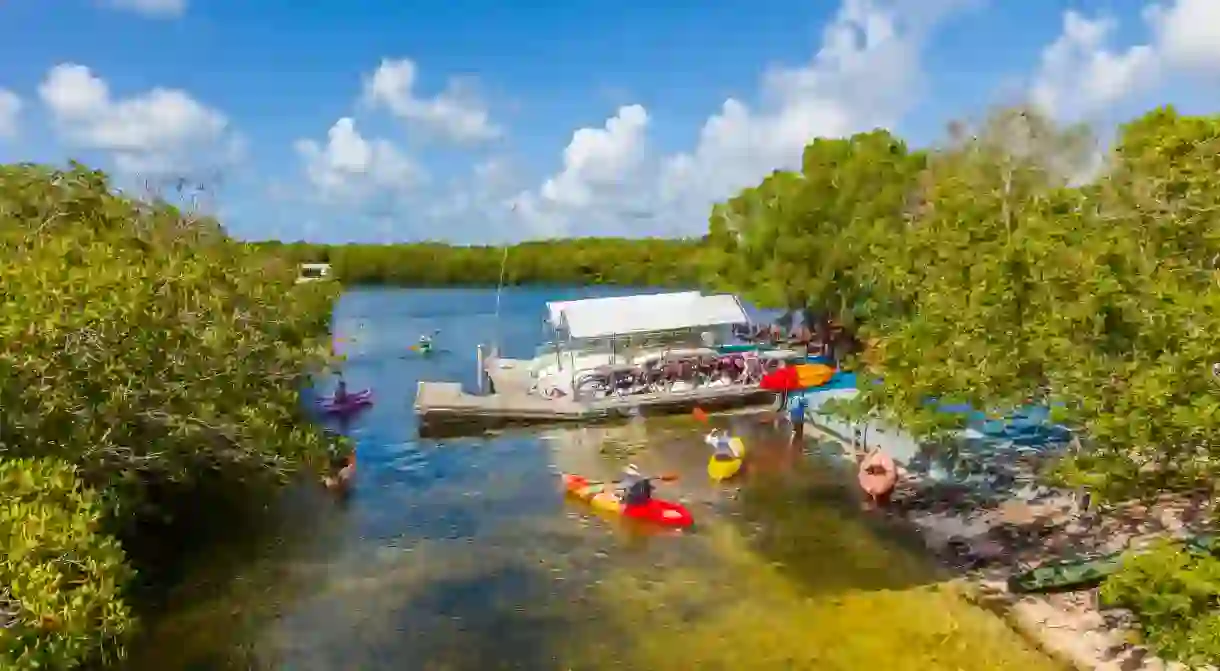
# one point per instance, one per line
(596, 494)
(719, 468)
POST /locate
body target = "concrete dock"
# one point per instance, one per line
(444, 408)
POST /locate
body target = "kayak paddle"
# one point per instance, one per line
(668, 477)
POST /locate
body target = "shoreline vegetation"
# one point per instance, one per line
(647, 262)
(1014, 263)
(147, 361)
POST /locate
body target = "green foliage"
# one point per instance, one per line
(1175, 593)
(1143, 330)
(975, 276)
(140, 348)
(980, 274)
(994, 277)
(804, 239)
(60, 578)
(139, 344)
(644, 262)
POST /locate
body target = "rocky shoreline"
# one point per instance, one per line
(991, 527)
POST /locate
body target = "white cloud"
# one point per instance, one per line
(155, 132)
(601, 169)
(154, 9)
(10, 113)
(868, 41)
(1188, 34)
(456, 113)
(351, 168)
(1081, 75)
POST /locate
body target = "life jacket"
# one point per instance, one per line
(638, 492)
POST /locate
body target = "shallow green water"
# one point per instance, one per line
(463, 554)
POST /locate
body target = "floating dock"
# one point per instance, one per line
(444, 408)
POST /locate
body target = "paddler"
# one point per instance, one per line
(722, 445)
(425, 343)
(341, 391)
(634, 489)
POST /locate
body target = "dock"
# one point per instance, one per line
(444, 408)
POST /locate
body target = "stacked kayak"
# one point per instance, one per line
(797, 378)
(351, 404)
(602, 497)
(721, 466)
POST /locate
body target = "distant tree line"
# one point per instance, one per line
(644, 262)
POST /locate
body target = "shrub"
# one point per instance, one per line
(60, 577)
(1175, 594)
(140, 348)
(141, 344)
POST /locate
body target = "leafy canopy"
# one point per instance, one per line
(140, 348)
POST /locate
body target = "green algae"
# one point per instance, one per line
(737, 610)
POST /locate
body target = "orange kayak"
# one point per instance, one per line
(602, 497)
(878, 475)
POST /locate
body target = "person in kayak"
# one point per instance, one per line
(341, 391)
(722, 446)
(634, 489)
(425, 342)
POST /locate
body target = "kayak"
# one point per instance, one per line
(878, 475)
(797, 378)
(1065, 575)
(721, 468)
(602, 497)
(354, 401)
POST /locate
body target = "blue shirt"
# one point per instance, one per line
(797, 412)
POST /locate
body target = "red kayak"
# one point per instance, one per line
(657, 511)
(601, 496)
(354, 402)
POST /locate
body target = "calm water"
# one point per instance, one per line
(462, 554)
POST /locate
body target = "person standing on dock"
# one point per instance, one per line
(796, 415)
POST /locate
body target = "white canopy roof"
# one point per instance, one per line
(621, 315)
(555, 308)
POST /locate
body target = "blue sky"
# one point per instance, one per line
(462, 120)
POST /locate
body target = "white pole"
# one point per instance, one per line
(499, 289)
(479, 358)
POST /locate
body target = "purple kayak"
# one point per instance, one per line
(354, 401)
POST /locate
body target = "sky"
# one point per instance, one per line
(473, 121)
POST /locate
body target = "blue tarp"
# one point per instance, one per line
(1029, 426)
